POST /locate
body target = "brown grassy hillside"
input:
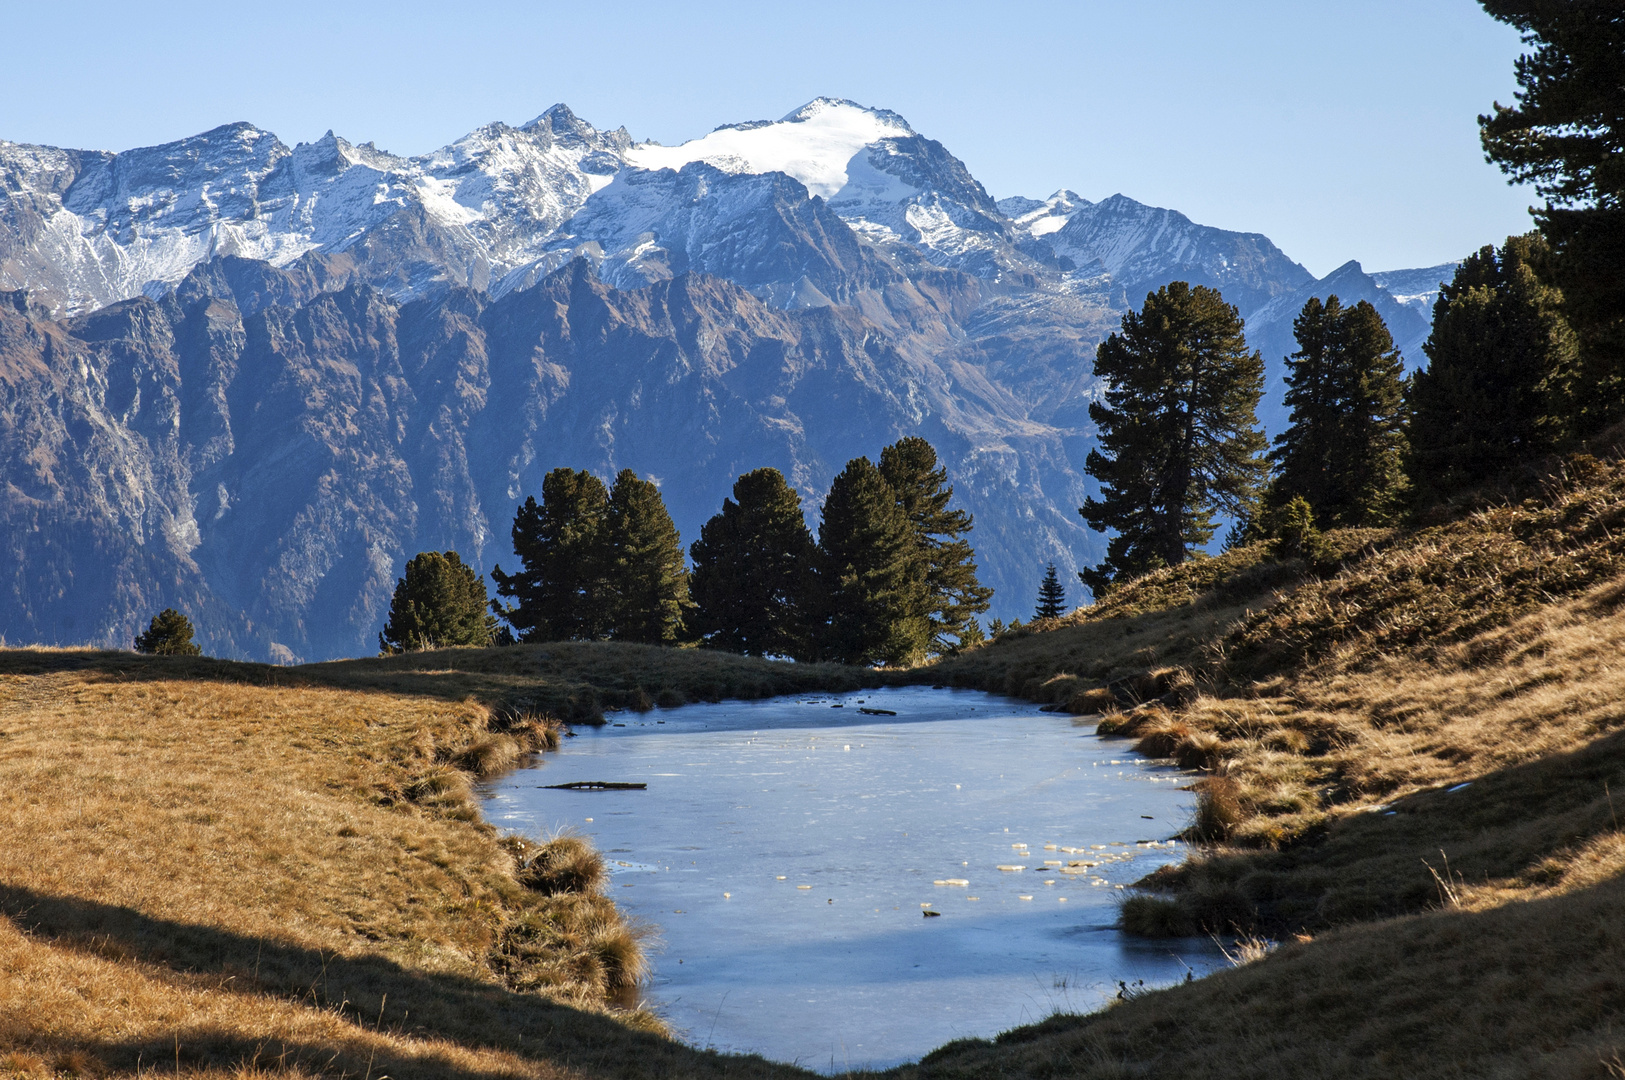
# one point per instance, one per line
(1410, 758)
(212, 868)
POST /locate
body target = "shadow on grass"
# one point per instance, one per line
(368, 992)
(574, 681)
(1403, 858)
(1525, 989)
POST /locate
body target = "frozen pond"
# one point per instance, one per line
(787, 849)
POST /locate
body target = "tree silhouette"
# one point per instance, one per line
(1051, 596)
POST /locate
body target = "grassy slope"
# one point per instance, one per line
(245, 860)
(265, 870)
(1476, 932)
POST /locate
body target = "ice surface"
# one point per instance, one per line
(828, 856)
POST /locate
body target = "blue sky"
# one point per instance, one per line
(1339, 129)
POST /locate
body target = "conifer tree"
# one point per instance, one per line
(563, 548)
(753, 566)
(169, 634)
(953, 594)
(1500, 353)
(1343, 451)
(1566, 134)
(872, 581)
(439, 602)
(1179, 437)
(645, 580)
(1051, 596)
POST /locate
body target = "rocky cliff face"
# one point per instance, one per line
(250, 380)
(270, 471)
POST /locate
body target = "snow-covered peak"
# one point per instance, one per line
(1417, 289)
(814, 144)
(1040, 217)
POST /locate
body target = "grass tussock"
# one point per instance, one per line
(226, 869)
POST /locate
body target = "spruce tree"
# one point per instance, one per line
(1051, 596)
(646, 581)
(169, 634)
(753, 566)
(1493, 394)
(1566, 135)
(1178, 434)
(872, 581)
(953, 595)
(1343, 450)
(439, 602)
(563, 548)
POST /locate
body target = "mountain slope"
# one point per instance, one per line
(344, 355)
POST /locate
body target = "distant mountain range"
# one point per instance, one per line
(251, 381)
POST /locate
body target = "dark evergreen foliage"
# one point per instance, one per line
(753, 566)
(1501, 359)
(1566, 134)
(169, 634)
(872, 582)
(563, 548)
(438, 603)
(1179, 439)
(645, 581)
(953, 594)
(1051, 596)
(1343, 451)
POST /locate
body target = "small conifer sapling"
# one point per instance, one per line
(1051, 596)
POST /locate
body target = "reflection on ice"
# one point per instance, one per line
(797, 873)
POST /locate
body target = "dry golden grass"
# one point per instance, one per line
(1412, 758)
(204, 861)
(1524, 990)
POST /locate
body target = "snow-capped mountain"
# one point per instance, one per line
(81, 229)
(1416, 289)
(266, 376)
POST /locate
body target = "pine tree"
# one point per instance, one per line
(646, 581)
(1500, 353)
(169, 634)
(1051, 596)
(753, 566)
(563, 549)
(953, 595)
(1566, 134)
(872, 581)
(1343, 451)
(1178, 432)
(439, 602)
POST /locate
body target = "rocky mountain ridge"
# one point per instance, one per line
(253, 379)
